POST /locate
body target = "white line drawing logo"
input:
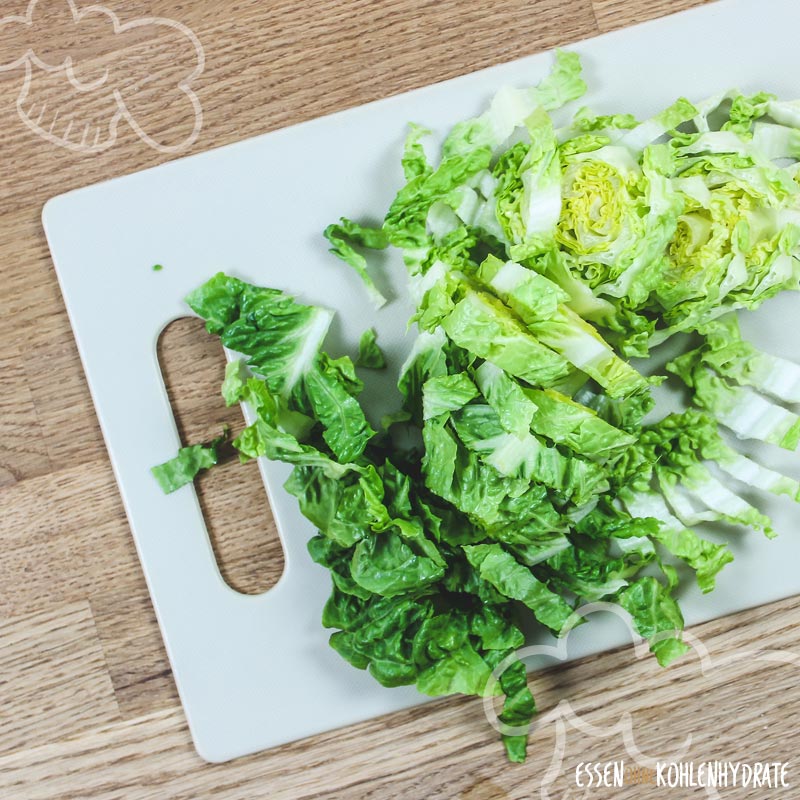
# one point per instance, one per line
(75, 97)
(563, 716)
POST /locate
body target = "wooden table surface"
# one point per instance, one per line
(88, 708)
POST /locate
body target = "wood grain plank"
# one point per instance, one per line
(54, 678)
(614, 14)
(23, 452)
(446, 750)
(71, 431)
(29, 291)
(134, 651)
(35, 322)
(64, 535)
(271, 64)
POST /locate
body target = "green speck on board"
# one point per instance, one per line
(157, 267)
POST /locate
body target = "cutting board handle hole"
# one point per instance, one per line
(238, 517)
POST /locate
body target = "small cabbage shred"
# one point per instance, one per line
(521, 476)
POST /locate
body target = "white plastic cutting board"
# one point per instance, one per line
(256, 671)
